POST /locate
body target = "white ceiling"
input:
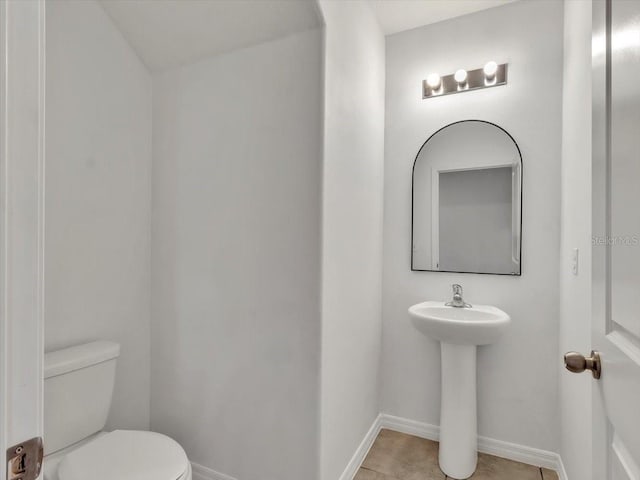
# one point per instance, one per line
(398, 15)
(169, 33)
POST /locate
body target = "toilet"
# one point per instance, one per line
(78, 387)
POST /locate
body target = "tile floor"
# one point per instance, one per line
(398, 456)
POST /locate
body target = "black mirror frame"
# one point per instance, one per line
(521, 198)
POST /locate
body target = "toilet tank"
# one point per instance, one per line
(78, 387)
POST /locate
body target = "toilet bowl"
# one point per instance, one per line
(122, 455)
(78, 388)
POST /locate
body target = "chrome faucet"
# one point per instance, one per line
(457, 300)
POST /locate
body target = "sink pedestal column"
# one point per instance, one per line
(458, 411)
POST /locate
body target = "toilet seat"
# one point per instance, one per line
(126, 455)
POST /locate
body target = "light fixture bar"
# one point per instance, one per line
(475, 80)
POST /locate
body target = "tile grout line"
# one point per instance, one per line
(381, 473)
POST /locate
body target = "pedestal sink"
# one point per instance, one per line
(460, 331)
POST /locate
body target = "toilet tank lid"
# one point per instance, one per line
(69, 359)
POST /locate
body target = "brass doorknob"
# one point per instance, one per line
(577, 363)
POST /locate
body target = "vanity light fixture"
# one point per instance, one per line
(491, 75)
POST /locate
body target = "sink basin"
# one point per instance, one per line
(460, 332)
(478, 325)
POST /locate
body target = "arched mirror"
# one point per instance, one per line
(467, 201)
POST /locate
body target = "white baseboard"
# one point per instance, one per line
(410, 427)
(362, 450)
(510, 451)
(562, 473)
(203, 473)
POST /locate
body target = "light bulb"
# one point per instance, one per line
(490, 70)
(460, 76)
(433, 80)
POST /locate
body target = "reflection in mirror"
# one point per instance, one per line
(467, 201)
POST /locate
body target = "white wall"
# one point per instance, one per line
(98, 195)
(352, 229)
(236, 258)
(517, 377)
(575, 291)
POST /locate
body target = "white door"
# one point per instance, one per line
(21, 233)
(616, 243)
